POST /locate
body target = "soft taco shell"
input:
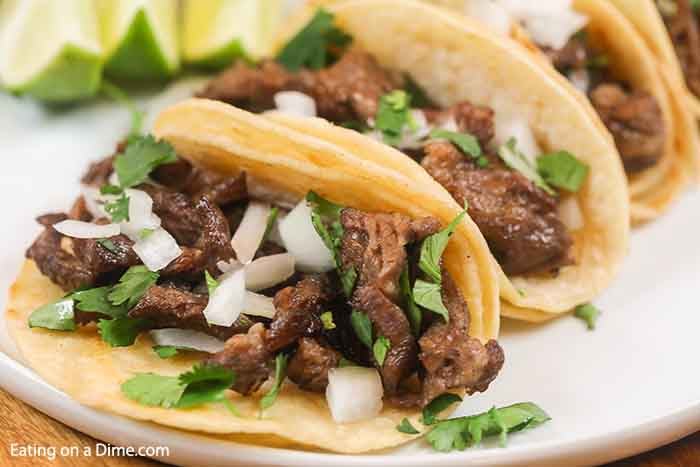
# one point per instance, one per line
(453, 58)
(220, 137)
(652, 191)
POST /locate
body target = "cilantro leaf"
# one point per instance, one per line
(380, 349)
(314, 45)
(108, 245)
(111, 190)
(271, 219)
(588, 313)
(466, 142)
(132, 286)
(58, 316)
(459, 433)
(393, 115)
(345, 362)
(406, 427)
(118, 209)
(517, 161)
(429, 296)
(212, 283)
(96, 301)
(141, 156)
(415, 315)
(362, 326)
(154, 390)
(121, 332)
(433, 247)
(327, 320)
(205, 383)
(437, 405)
(280, 373)
(562, 170)
(165, 351)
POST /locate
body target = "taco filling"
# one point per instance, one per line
(681, 19)
(267, 285)
(523, 201)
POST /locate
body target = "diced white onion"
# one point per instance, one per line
(274, 235)
(94, 201)
(354, 393)
(268, 271)
(450, 124)
(80, 229)
(509, 126)
(140, 214)
(295, 103)
(413, 138)
(258, 305)
(157, 250)
(303, 242)
(187, 339)
(570, 213)
(250, 232)
(581, 80)
(261, 191)
(226, 303)
(228, 266)
(490, 13)
(549, 22)
(113, 179)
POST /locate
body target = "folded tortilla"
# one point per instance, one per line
(653, 190)
(219, 137)
(453, 59)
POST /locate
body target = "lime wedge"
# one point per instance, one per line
(139, 38)
(216, 32)
(50, 49)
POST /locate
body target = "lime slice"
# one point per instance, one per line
(139, 38)
(216, 32)
(50, 49)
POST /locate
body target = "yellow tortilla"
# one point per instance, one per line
(452, 58)
(652, 191)
(220, 137)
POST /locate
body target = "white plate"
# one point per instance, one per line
(629, 386)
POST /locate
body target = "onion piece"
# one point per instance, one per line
(509, 126)
(268, 271)
(354, 393)
(580, 79)
(157, 250)
(80, 229)
(258, 305)
(303, 242)
(94, 201)
(226, 303)
(187, 339)
(570, 213)
(250, 232)
(295, 103)
(490, 13)
(274, 235)
(412, 138)
(140, 214)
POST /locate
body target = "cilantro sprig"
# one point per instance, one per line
(280, 373)
(362, 326)
(393, 114)
(141, 156)
(380, 348)
(132, 286)
(588, 313)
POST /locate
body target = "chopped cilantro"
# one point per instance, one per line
(437, 405)
(429, 296)
(380, 349)
(415, 315)
(165, 351)
(96, 301)
(517, 161)
(419, 97)
(145, 233)
(230, 407)
(108, 245)
(118, 209)
(327, 320)
(111, 190)
(132, 286)
(141, 156)
(362, 326)
(588, 313)
(406, 427)
(280, 373)
(154, 390)
(460, 433)
(58, 316)
(393, 115)
(345, 362)
(271, 219)
(433, 247)
(315, 45)
(465, 142)
(562, 170)
(212, 283)
(121, 332)
(598, 61)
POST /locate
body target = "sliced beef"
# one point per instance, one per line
(194, 182)
(389, 320)
(79, 211)
(684, 30)
(375, 245)
(452, 360)
(100, 259)
(297, 311)
(309, 366)
(518, 219)
(98, 173)
(177, 213)
(215, 237)
(636, 123)
(469, 118)
(172, 307)
(575, 55)
(248, 357)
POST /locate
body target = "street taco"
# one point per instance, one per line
(607, 59)
(533, 165)
(233, 252)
